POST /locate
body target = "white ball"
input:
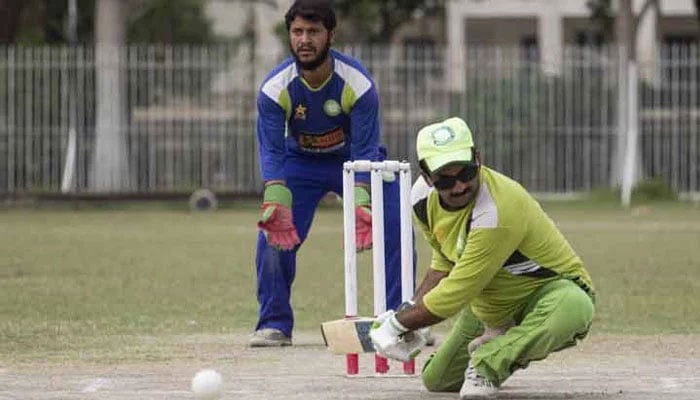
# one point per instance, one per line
(207, 384)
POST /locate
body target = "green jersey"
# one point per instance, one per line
(498, 250)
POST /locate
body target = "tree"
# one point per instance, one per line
(169, 21)
(110, 164)
(152, 21)
(376, 21)
(601, 13)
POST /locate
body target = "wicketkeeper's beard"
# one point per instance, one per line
(316, 62)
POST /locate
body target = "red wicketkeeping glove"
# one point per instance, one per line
(276, 221)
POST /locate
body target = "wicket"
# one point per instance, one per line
(376, 170)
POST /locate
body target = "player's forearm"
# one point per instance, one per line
(431, 279)
(417, 317)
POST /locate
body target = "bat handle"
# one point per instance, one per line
(352, 364)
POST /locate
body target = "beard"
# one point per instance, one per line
(316, 62)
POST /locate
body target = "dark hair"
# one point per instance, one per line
(312, 10)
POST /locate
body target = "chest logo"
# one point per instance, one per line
(331, 108)
(300, 112)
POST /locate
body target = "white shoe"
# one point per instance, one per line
(476, 386)
(269, 337)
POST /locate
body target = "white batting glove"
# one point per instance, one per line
(392, 340)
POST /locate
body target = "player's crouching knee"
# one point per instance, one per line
(579, 309)
(434, 381)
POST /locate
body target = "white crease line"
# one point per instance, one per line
(97, 385)
(670, 383)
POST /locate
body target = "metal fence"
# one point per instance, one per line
(181, 118)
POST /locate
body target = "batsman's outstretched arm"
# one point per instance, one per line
(417, 317)
(431, 279)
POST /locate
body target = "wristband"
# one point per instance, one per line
(362, 197)
(278, 193)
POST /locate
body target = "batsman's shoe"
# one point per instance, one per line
(476, 386)
(269, 337)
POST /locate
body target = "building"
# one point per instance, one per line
(242, 19)
(550, 25)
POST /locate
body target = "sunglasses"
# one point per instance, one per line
(466, 174)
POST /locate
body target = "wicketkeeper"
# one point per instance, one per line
(316, 110)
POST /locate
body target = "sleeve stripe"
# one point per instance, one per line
(353, 77)
(485, 211)
(276, 86)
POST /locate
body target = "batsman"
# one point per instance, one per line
(518, 288)
(316, 110)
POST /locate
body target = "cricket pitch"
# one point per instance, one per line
(601, 367)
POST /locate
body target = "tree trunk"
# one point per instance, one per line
(627, 158)
(386, 29)
(110, 169)
(624, 31)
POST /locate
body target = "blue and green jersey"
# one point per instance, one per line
(338, 120)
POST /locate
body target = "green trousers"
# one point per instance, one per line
(553, 319)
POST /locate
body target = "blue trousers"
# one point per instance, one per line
(309, 179)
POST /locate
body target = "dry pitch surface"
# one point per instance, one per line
(602, 367)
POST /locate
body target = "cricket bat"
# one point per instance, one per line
(348, 335)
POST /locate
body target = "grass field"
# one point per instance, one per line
(119, 284)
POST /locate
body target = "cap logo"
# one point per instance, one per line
(443, 136)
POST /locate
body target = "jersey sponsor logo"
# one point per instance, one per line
(300, 112)
(331, 108)
(323, 142)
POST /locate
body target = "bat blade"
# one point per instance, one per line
(348, 335)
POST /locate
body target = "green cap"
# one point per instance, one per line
(446, 142)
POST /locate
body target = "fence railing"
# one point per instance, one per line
(160, 119)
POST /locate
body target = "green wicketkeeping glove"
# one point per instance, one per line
(363, 219)
(276, 220)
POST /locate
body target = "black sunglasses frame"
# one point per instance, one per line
(466, 174)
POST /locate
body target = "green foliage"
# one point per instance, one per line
(602, 15)
(150, 21)
(654, 190)
(171, 21)
(371, 21)
(650, 190)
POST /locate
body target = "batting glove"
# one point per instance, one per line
(276, 221)
(392, 340)
(363, 219)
